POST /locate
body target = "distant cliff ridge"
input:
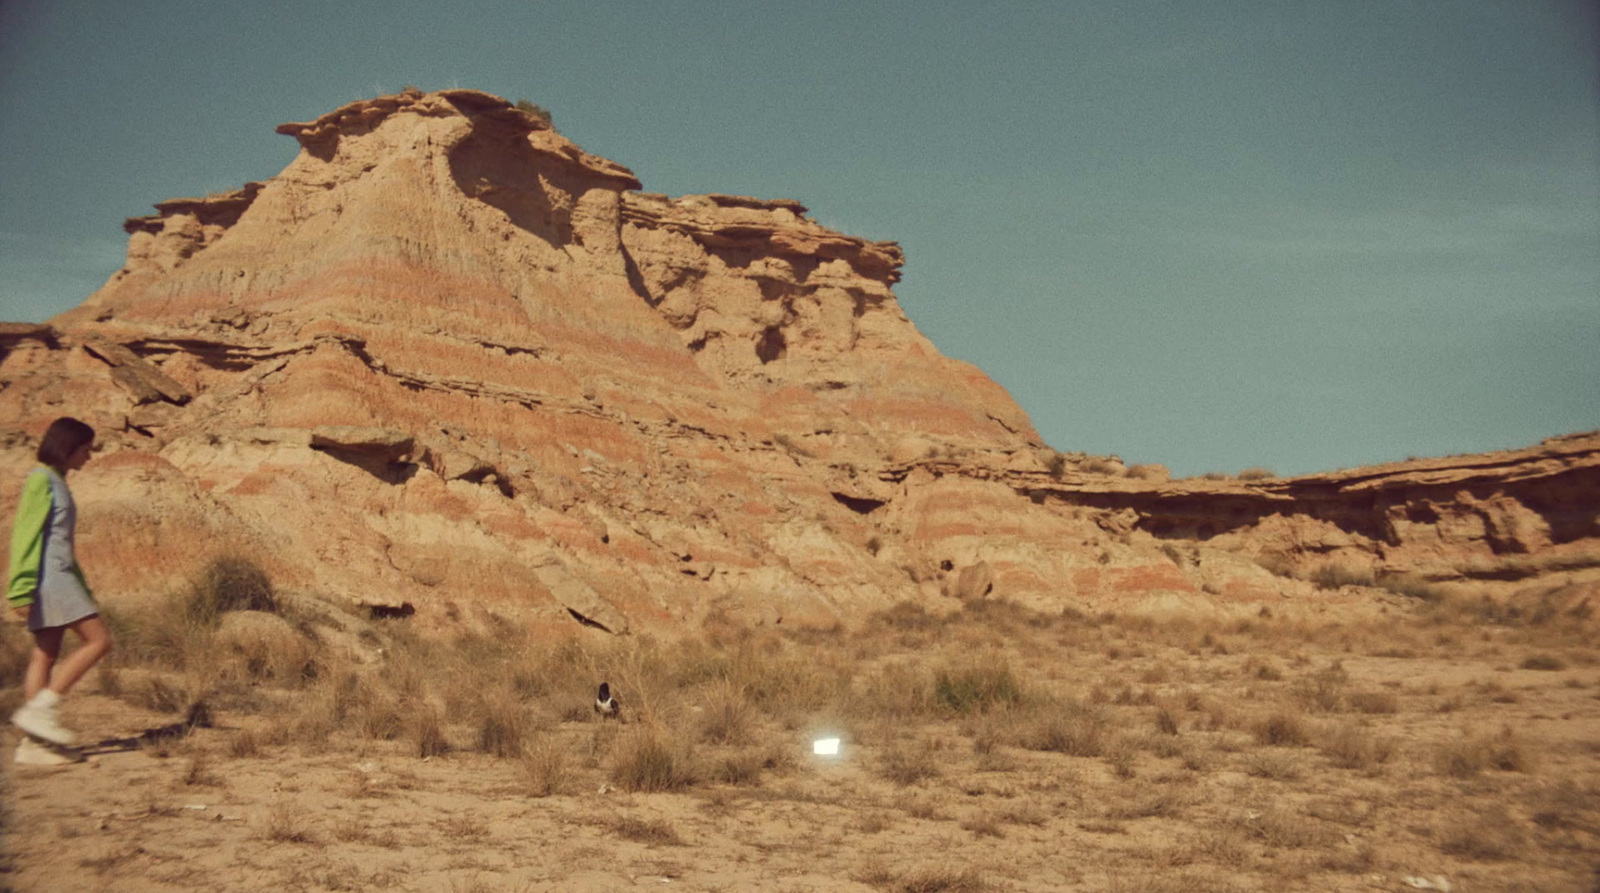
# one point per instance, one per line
(447, 358)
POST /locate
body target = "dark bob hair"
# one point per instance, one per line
(62, 439)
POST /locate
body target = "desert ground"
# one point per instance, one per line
(1362, 740)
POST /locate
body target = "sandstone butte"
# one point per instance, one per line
(447, 359)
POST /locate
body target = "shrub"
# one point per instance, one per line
(1282, 729)
(1543, 662)
(644, 762)
(1469, 755)
(977, 687)
(727, 716)
(503, 724)
(1273, 764)
(1373, 702)
(536, 112)
(1412, 587)
(647, 831)
(1101, 465)
(544, 768)
(1071, 728)
(1149, 472)
(1352, 748)
(1335, 574)
(743, 768)
(905, 764)
(285, 824)
(896, 690)
(1166, 720)
(1491, 836)
(1058, 466)
(1322, 691)
(1281, 828)
(425, 730)
(230, 583)
(943, 880)
(926, 880)
(907, 616)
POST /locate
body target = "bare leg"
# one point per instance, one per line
(46, 647)
(96, 644)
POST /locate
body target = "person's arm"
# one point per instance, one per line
(27, 541)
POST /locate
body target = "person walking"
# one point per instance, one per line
(46, 587)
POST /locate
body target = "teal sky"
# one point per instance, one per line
(1298, 235)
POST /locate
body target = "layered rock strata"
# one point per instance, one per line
(448, 359)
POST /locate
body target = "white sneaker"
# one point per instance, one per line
(32, 753)
(41, 722)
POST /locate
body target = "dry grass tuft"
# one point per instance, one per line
(1491, 836)
(229, 583)
(1281, 828)
(286, 824)
(1338, 574)
(1282, 728)
(424, 729)
(983, 824)
(925, 880)
(1351, 747)
(1373, 702)
(644, 761)
(977, 686)
(244, 745)
(545, 768)
(907, 764)
(1469, 755)
(1543, 662)
(1274, 764)
(504, 724)
(1166, 720)
(655, 832)
(728, 714)
(1068, 727)
(1413, 587)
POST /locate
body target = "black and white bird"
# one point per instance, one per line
(606, 704)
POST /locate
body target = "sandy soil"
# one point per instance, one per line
(1415, 757)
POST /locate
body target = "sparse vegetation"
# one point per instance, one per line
(1548, 662)
(646, 761)
(977, 686)
(651, 831)
(536, 112)
(1109, 465)
(230, 583)
(1057, 465)
(1337, 574)
(990, 732)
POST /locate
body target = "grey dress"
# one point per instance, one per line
(63, 595)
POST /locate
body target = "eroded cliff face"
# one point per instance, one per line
(446, 358)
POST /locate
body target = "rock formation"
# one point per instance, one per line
(448, 359)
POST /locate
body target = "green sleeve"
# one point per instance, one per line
(27, 540)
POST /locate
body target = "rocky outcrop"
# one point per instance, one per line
(448, 360)
(1474, 516)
